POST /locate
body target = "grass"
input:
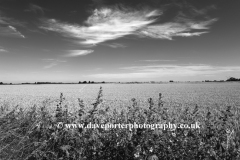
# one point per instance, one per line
(33, 134)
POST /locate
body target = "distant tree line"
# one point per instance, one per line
(48, 82)
(89, 82)
(214, 81)
(231, 79)
(84, 82)
(1, 83)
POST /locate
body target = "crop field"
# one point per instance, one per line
(202, 94)
(30, 114)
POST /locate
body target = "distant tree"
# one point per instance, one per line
(84, 81)
(171, 81)
(92, 82)
(103, 81)
(79, 82)
(232, 79)
(1, 82)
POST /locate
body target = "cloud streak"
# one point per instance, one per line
(157, 60)
(160, 71)
(110, 23)
(51, 63)
(10, 31)
(116, 45)
(7, 28)
(3, 50)
(185, 28)
(75, 53)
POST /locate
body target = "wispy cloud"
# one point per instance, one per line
(7, 27)
(2, 49)
(109, 23)
(185, 28)
(51, 63)
(4, 20)
(105, 24)
(75, 53)
(116, 45)
(10, 31)
(160, 71)
(35, 9)
(157, 60)
(50, 60)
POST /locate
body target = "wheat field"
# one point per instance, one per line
(202, 94)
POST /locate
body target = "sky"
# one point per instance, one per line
(119, 40)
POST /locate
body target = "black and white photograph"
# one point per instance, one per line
(119, 80)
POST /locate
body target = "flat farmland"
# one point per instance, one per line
(213, 106)
(119, 95)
